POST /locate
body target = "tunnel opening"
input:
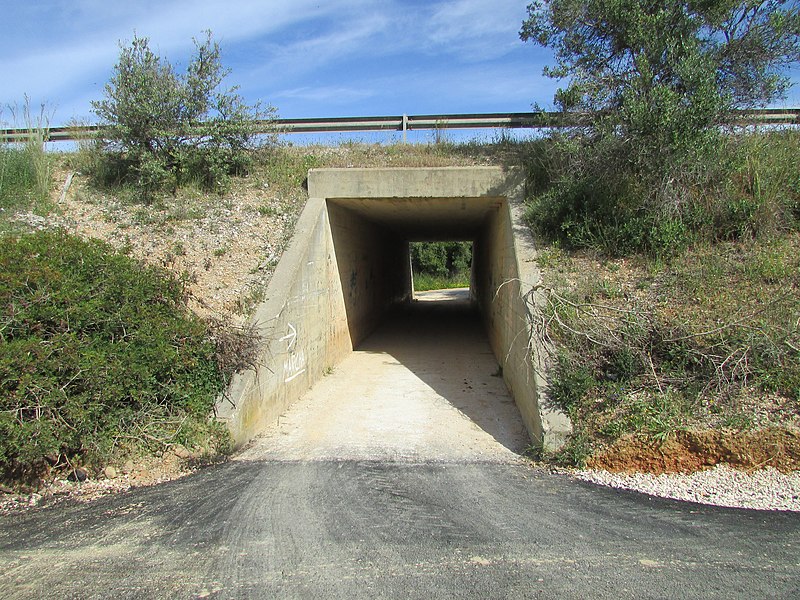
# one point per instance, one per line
(373, 239)
(348, 268)
(440, 270)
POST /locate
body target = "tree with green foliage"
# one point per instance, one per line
(666, 71)
(164, 129)
(652, 82)
(441, 259)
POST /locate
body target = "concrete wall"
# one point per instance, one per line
(505, 280)
(348, 264)
(372, 264)
(303, 325)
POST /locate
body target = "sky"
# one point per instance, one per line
(307, 58)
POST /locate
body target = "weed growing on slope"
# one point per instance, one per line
(25, 166)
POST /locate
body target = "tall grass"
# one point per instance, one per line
(25, 167)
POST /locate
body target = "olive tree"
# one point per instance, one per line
(165, 128)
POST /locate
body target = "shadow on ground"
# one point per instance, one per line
(441, 339)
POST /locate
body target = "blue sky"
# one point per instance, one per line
(308, 58)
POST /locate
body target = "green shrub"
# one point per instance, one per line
(586, 195)
(164, 130)
(650, 84)
(97, 353)
(441, 265)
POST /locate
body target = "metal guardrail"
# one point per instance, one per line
(405, 123)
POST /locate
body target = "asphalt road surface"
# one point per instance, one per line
(309, 512)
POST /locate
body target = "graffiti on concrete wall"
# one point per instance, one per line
(295, 363)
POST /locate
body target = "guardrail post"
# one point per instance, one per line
(405, 127)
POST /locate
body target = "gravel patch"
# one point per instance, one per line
(764, 489)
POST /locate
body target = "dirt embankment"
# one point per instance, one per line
(690, 451)
(224, 246)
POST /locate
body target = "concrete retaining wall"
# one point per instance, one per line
(504, 280)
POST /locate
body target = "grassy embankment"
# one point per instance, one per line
(663, 326)
(702, 333)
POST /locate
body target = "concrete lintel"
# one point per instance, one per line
(412, 182)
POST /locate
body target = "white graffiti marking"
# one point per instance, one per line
(291, 336)
(294, 366)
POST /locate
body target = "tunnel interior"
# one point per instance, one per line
(371, 240)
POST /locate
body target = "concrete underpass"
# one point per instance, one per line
(348, 269)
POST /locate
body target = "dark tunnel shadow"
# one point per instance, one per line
(443, 342)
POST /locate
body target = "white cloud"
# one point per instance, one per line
(46, 74)
(318, 51)
(327, 94)
(476, 29)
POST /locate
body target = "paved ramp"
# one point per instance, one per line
(424, 387)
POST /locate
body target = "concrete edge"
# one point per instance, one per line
(230, 407)
(556, 425)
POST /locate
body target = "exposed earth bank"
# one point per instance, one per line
(690, 451)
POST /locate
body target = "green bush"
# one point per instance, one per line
(585, 196)
(650, 84)
(98, 353)
(571, 380)
(164, 130)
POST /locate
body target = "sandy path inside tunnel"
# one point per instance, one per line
(423, 387)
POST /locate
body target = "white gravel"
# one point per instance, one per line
(765, 489)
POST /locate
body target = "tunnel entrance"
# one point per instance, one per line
(373, 239)
(348, 268)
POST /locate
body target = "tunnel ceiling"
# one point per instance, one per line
(420, 219)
